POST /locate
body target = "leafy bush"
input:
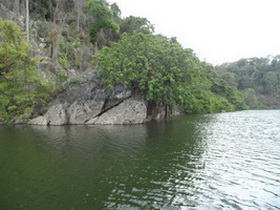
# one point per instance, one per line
(75, 80)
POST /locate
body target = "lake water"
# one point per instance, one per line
(219, 161)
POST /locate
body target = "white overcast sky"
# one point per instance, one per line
(217, 30)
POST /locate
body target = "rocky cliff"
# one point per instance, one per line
(88, 102)
(85, 99)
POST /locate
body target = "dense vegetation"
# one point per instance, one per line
(257, 78)
(21, 87)
(164, 72)
(127, 52)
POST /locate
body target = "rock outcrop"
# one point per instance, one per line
(88, 102)
(41, 120)
(56, 115)
(130, 111)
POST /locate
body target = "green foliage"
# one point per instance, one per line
(251, 98)
(164, 72)
(21, 86)
(62, 60)
(157, 67)
(116, 11)
(103, 18)
(133, 24)
(207, 94)
(262, 107)
(257, 78)
(62, 77)
(271, 82)
(205, 101)
(230, 79)
(151, 64)
(233, 96)
(75, 80)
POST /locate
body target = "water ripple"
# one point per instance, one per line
(235, 165)
(220, 161)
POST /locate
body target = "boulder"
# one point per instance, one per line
(81, 111)
(130, 111)
(41, 120)
(57, 115)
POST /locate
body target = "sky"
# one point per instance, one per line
(218, 31)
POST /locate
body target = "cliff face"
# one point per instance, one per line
(88, 102)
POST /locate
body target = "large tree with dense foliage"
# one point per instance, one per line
(21, 86)
(147, 63)
(163, 71)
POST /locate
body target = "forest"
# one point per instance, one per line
(83, 35)
(257, 78)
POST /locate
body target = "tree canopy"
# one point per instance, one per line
(133, 24)
(163, 71)
(21, 87)
(151, 64)
(103, 16)
(257, 78)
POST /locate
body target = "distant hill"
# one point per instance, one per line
(257, 78)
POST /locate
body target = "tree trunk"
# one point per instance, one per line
(16, 7)
(51, 9)
(55, 34)
(27, 20)
(156, 111)
(78, 5)
(78, 21)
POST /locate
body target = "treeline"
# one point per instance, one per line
(126, 51)
(257, 78)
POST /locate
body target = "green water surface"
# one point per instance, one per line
(220, 161)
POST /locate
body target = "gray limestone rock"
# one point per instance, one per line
(41, 120)
(57, 115)
(130, 111)
(82, 111)
(89, 102)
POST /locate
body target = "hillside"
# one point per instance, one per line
(257, 78)
(67, 38)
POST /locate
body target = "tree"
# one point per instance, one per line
(16, 7)
(251, 98)
(27, 20)
(164, 73)
(259, 74)
(133, 24)
(232, 95)
(21, 86)
(79, 4)
(230, 78)
(270, 82)
(116, 10)
(152, 65)
(103, 18)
